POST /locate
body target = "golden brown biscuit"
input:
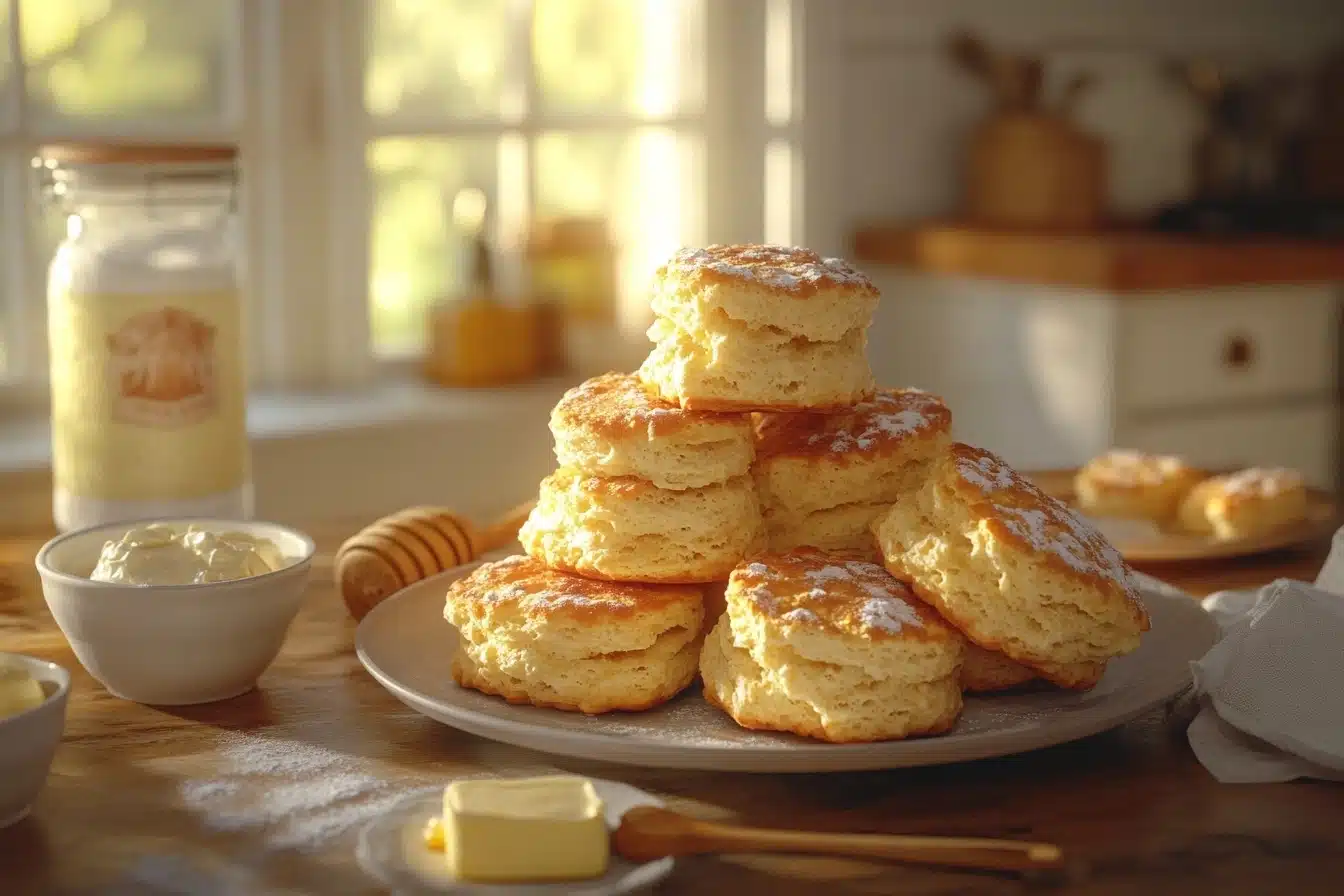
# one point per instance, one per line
(1246, 504)
(986, 671)
(794, 291)
(535, 635)
(1014, 569)
(823, 478)
(831, 648)
(612, 426)
(751, 327)
(1133, 485)
(627, 529)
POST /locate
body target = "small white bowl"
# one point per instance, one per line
(173, 645)
(28, 740)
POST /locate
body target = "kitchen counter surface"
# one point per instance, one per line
(205, 799)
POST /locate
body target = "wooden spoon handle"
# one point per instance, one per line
(960, 852)
(503, 530)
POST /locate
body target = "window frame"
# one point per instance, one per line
(296, 110)
(525, 125)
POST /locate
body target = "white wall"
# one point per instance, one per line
(903, 110)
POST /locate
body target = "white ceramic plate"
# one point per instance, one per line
(406, 644)
(392, 850)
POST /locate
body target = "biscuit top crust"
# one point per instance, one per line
(519, 584)
(1122, 469)
(890, 419)
(1017, 511)
(788, 272)
(1258, 483)
(617, 404)
(835, 592)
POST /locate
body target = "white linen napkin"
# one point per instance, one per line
(1272, 689)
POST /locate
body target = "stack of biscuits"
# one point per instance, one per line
(750, 506)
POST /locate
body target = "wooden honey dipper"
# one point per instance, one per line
(414, 544)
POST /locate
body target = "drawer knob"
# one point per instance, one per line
(1239, 352)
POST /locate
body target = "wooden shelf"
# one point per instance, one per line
(1117, 261)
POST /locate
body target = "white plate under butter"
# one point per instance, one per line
(392, 849)
(406, 644)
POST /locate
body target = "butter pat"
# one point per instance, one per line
(525, 829)
(19, 691)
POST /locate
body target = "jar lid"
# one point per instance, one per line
(110, 153)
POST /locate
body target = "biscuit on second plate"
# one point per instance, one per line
(628, 529)
(1014, 569)
(1134, 485)
(1245, 504)
(750, 327)
(612, 425)
(831, 648)
(535, 635)
(824, 478)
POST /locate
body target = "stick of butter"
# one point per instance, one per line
(524, 829)
(19, 691)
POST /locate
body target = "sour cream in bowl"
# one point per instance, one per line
(176, 612)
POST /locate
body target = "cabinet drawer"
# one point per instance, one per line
(1303, 438)
(1196, 350)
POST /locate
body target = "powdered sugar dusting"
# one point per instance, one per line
(525, 582)
(1064, 535)
(503, 593)
(987, 473)
(829, 586)
(829, 574)
(1126, 468)
(888, 614)
(621, 399)
(779, 267)
(1043, 522)
(890, 416)
(1262, 482)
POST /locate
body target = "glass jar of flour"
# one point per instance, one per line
(145, 324)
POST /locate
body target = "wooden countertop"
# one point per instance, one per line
(1114, 261)
(145, 800)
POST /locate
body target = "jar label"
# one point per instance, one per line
(147, 396)
(161, 369)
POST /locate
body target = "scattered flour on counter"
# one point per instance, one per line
(296, 795)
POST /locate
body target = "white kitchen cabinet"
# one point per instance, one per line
(1049, 376)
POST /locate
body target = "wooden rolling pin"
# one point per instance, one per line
(411, 545)
(646, 833)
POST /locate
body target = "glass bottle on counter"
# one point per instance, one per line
(145, 325)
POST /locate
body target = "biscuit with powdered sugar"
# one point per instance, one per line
(536, 635)
(1014, 569)
(1134, 485)
(611, 425)
(1245, 504)
(831, 647)
(824, 478)
(759, 328)
(626, 529)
